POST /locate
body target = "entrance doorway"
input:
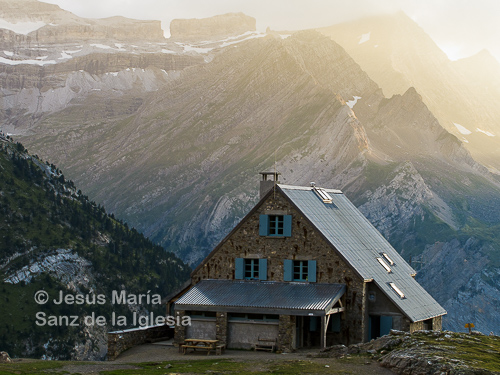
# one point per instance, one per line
(379, 325)
(308, 331)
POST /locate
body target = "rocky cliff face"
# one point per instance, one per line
(213, 28)
(476, 284)
(35, 90)
(42, 23)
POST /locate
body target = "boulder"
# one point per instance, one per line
(4, 357)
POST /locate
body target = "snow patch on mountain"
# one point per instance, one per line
(462, 129)
(39, 61)
(352, 103)
(101, 46)
(225, 44)
(485, 132)
(364, 37)
(21, 27)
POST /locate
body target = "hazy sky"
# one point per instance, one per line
(460, 27)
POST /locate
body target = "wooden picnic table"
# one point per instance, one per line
(203, 344)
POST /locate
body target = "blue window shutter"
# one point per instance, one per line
(287, 225)
(262, 269)
(263, 225)
(239, 268)
(287, 269)
(311, 271)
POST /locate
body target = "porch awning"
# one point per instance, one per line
(286, 298)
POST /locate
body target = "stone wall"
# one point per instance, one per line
(286, 333)
(180, 330)
(434, 324)
(437, 323)
(304, 244)
(221, 327)
(119, 341)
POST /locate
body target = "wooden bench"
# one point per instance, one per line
(194, 347)
(265, 344)
(219, 349)
(202, 344)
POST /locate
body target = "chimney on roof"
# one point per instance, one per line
(266, 183)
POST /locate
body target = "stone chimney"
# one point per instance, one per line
(266, 183)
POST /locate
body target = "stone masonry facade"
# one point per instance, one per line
(305, 243)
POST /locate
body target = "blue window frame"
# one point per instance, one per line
(275, 225)
(299, 270)
(250, 269)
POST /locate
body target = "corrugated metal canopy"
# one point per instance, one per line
(360, 244)
(261, 297)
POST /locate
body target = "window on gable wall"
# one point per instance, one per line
(250, 269)
(275, 225)
(299, 270)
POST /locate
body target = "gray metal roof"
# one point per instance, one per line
(360, 244)
(261, 296)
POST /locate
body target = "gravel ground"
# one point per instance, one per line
(160, 353)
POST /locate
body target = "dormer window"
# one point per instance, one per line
(275, 225)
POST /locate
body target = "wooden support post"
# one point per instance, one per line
(324, 326)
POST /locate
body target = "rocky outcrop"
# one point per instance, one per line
(213, 28)
(476, 285)
(4, 357)
(427, 352)
(64, 264)
(115, 28)
(436, 353)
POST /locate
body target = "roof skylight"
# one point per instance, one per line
(325, 197)
(397, 290)
(384, 264)
(388, 259)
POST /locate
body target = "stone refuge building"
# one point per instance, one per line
(304, 268)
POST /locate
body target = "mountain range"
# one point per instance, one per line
(398, 54)
(170, 134)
